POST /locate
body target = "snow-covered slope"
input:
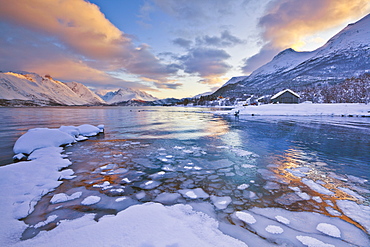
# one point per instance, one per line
(344, 56)
(126, 94)
(235, 79)
(41, 90)
(85, 93)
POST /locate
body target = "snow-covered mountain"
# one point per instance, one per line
(43, 90)
(126, 94)
(85, 93)
(344, 56)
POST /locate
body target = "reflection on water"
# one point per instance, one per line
(168, 154)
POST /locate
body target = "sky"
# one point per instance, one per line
(168, 48)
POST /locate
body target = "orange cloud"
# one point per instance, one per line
(288, 22)
(78, 27)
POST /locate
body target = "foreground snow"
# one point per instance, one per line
(304, 109)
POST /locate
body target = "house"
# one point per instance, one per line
(286, 96)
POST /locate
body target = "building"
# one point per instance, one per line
(286, 96)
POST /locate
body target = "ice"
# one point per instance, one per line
(148, 185)
(248, 166)
(88, 130)
(282, 219)
(90, 200)
(288, 199)
(317, 199)
(351, 192)
(67, 174)
(359, 213)
(105, 184)
(329, 229)
(296, 172)
(50, 218)
(316, 187)
(101, 127)
(356, 179)
(332, 211)
(140, 195)
(274, 229)
(167, 198)
(221, 202)
(241, 152)
(246, 217)
(303, 195)
(271, 186)
(243, 186)
(71, 130)
(62, 197)
(41, 138)
(194, 193)
(312, 242)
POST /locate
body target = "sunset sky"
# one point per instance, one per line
(168, 48)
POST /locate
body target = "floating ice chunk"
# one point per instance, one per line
(296, 173)
(288, 199)
(140, 195)
(332, 211)
(167, 198)
(329, 229)
(317, 199)
(248, 166)
(352, 193)
(282, 219)
(90, 200)
(243, 186)
(120, 199)
(81, 138)
(241, 152)
(221, 202)
(336, 176)
(194, 193)
(188, 151)
(359, 213)
(148, 185)
(356, 179)
(274, 229)
(126, 180)
(41, 138)
(105, 184)
(316, 187)
(296, 189)
(312, 242)
(246, 217)
(303, 195)
(62, 197)
(67, 174)
(88, 130)
(271, 186)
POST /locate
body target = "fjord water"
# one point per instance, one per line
(157, 153)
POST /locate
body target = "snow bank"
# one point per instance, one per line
(44, 137)
(24, 183)
(150, 224)
(303, 109)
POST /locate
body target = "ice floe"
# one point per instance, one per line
(62, 197)
(194, 193)
(328, 229)
(90, 200)
(317, 187)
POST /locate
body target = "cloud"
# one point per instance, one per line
(79, 31)
(287, 22)
(225, 40)
(206, 62)
(185, 43)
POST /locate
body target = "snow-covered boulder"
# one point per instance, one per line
(41, 138)
(88, 130)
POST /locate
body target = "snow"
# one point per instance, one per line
(90, 200)
(329, 229)
(342, 109)
(62, 197)
(359, 213)
(312, 242)
(282, 92)
(125, 94)
(274, 229)
(150, 224)
(246, 217)
(88, 130)
(41, 138)
(282, 219)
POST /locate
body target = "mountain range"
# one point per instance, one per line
(24, 88)
(344, 56)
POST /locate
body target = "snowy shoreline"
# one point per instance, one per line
(303, 109)
(153, 224)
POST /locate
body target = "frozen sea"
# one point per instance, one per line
(267, 180)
